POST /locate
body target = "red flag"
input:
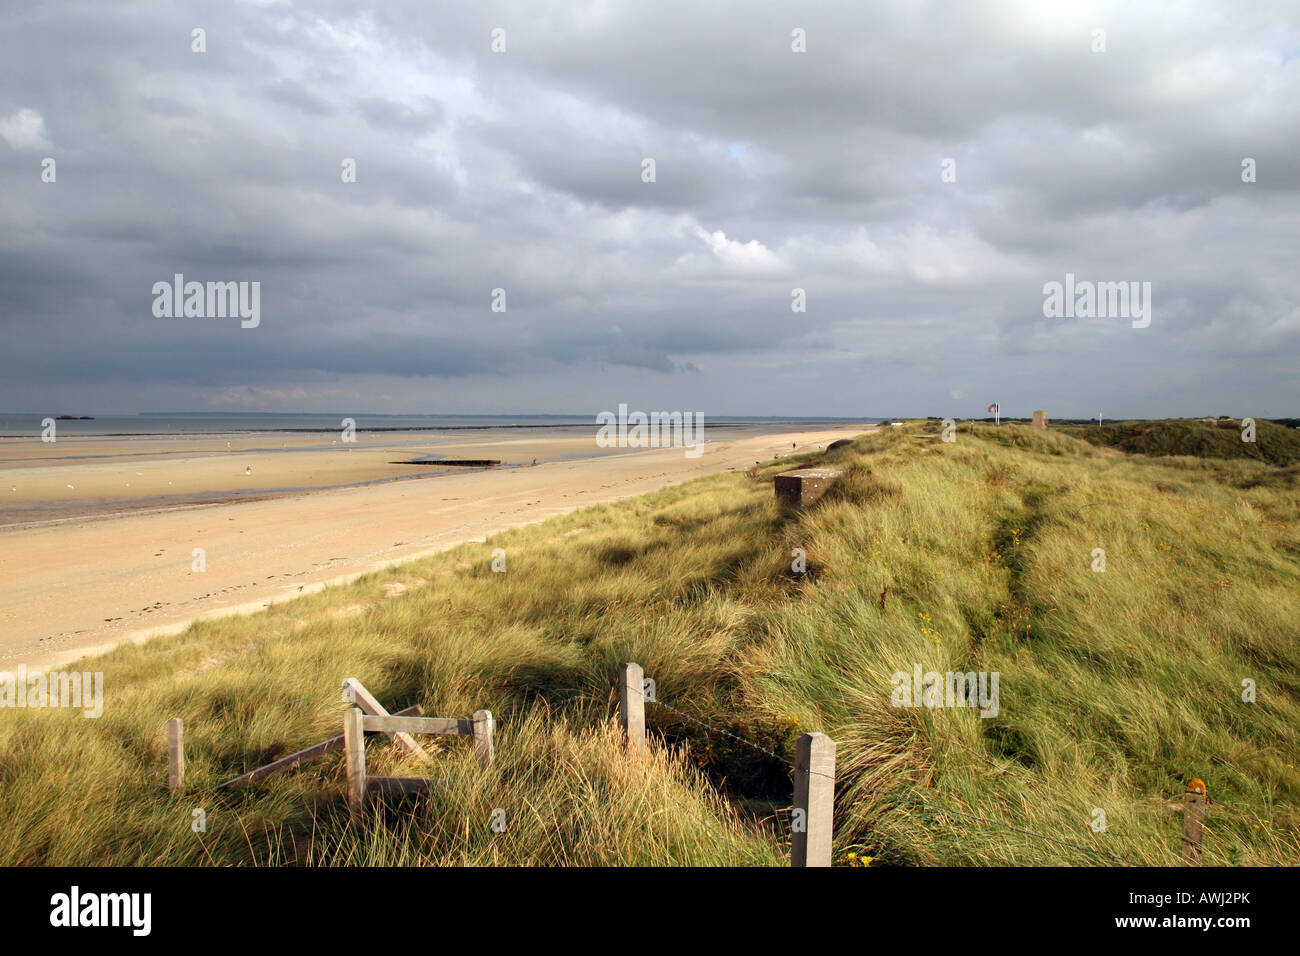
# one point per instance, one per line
(992, 409)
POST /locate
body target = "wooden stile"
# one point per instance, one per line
(295, 760)
(356, 725)
(369, 716)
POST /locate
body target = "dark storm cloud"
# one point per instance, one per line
(775, 170)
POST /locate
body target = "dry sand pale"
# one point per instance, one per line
(77, 586)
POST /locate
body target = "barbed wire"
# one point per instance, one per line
(1015, 829)
(992, 763)
(907, 795)
(748, 743)
(901, 795)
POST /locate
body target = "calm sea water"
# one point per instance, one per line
(26, 425)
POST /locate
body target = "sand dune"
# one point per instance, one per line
(71, 587)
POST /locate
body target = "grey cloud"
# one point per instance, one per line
(389, 114)
(522, 171)
(297, 96)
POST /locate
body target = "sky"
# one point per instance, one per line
(921, 171)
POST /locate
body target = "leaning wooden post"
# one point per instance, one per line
(814, 801)
(175, 754)
(1193, 819)
(484, 725)
(631, 706)
(354, 746)
(358, 694)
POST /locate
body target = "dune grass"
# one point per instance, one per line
(1116, 686)
(1275, 444)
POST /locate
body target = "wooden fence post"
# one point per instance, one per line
(814, 801)
(484, 726)
(354, 746)
(175, 754)
(1193, 818)
(631, 706)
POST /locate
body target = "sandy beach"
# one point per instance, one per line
(85, 477)
(97, 534)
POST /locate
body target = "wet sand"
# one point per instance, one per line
(85, 568)
(105, 475)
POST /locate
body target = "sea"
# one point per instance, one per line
(29, 424)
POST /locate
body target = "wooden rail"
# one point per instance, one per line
(300, 757)
(418, 725)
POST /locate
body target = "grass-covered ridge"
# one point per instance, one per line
(1116, 687)
(1275, 444)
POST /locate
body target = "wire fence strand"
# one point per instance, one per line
(907, 795)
